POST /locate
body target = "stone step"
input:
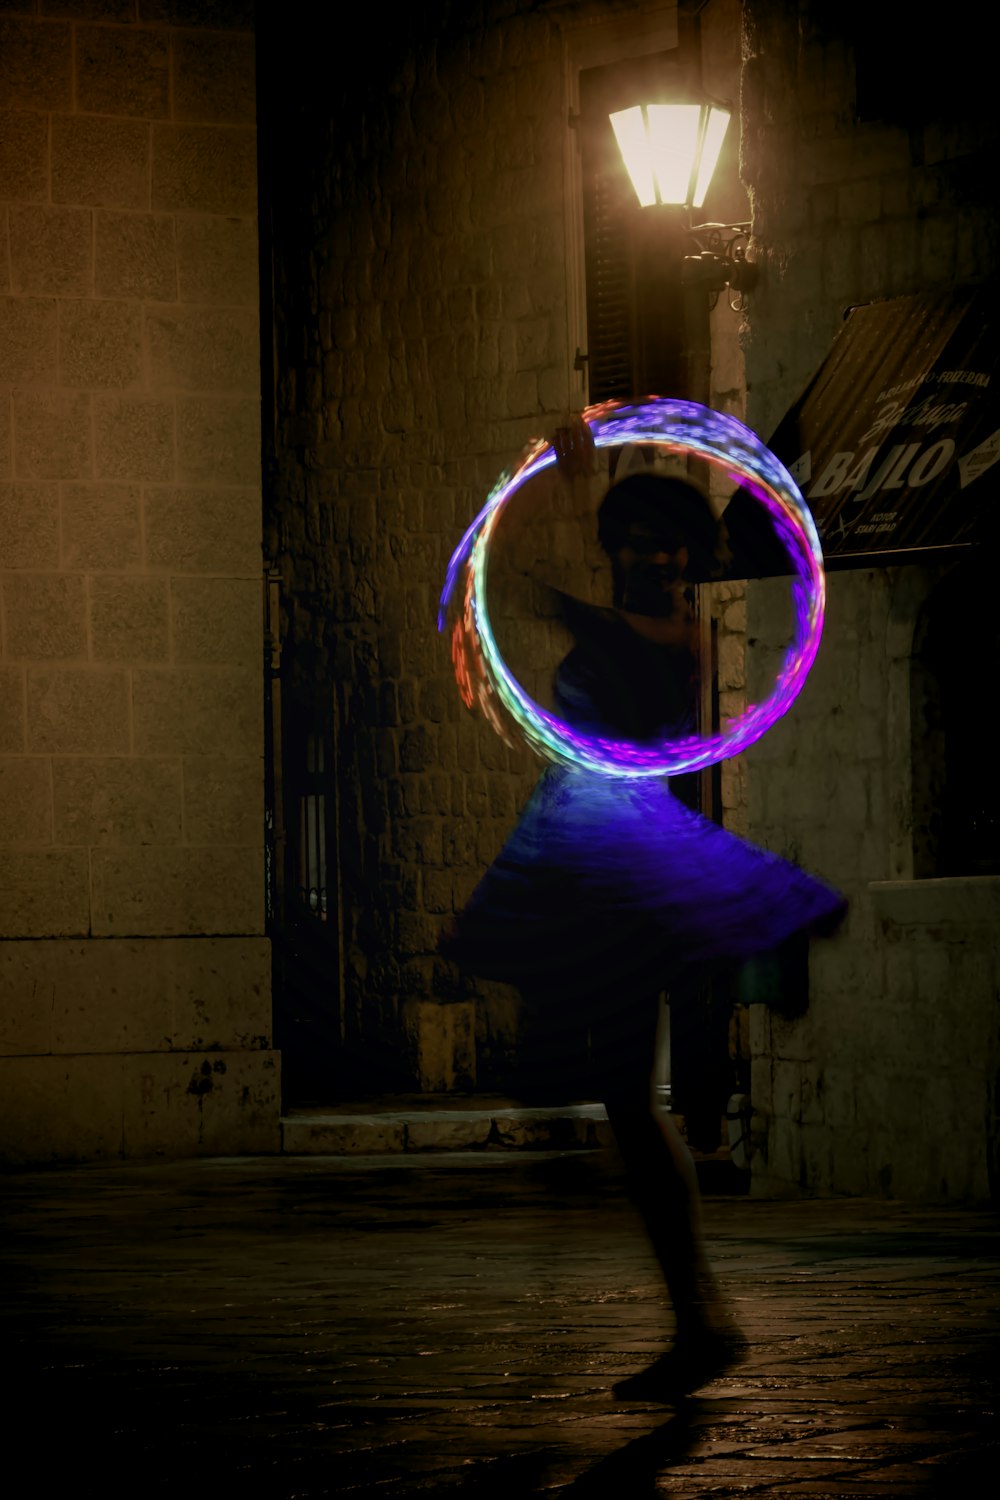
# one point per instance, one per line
(443, 1124)
(428, 1124)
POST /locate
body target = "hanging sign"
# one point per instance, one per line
(895, 441)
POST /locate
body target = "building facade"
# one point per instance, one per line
(867, 157)
(182, 804)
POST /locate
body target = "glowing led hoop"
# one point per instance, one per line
(687, 427)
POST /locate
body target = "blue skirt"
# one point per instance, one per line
(609, 885)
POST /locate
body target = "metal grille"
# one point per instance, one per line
(311, 889)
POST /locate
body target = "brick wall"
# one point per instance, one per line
(863, 1094)
(135, 1009)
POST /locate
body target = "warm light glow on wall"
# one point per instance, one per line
(670, 150)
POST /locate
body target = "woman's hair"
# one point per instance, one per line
(672, 509)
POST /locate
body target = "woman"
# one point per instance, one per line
(611, 891)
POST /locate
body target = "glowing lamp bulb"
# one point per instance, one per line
(670, 151)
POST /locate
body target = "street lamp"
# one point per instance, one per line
(670, 152)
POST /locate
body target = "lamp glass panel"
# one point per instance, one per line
(673, 138)
(630, 133)
(715, 134)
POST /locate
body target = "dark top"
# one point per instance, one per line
(616, 683)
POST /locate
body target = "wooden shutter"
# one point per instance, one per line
(636, 321)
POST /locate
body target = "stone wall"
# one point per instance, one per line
(421, 314)
(876, 1089)
(424, 278)
(721, 70)
(422, 341)
(134, 991)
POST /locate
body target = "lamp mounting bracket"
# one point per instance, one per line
(721, 261)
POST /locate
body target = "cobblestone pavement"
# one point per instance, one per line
(452, 1325)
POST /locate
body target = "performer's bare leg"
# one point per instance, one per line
(663, 1185)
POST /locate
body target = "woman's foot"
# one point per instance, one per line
(685, 1368)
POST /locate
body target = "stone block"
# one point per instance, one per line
(220, 990)
(106, 1001)
(218, 440)
(732, 662)
(100, 162)
(193, 1104)
(52, 435)
(44, 893)
(217, 620)
(29, 526)
(541, 1130)
(123, 71)
(735, 617)
(223, 15)
(134, 995)
(787, 1079)
(448, 1130)
(25, 999)
(177, 892)
(96, 997)
(904, 249)
(938, 248)
(60, 1109)
(28, 340)
(46, 615)
(217, 260)
(816, 1159)
(850, 1170)
(120, 11)
(24, 144)
(954, 901)
(129, 619)
(77, 712)
(51, 250)
(6, 446)
(100, 526)
(11, 710)
(334, 1135)
(761, 1072)
(876, 269)
(100, 344)
(203, 349)
(134, 437)
(205, 169)
(197, 711)
(783, 1155)
(860, 201)
(445, 1043)
(223, 800)
(25, 800)
(112, 800)
(36, 72)
(135, 256)
(191, 529)
(415, 932)
(214, 78)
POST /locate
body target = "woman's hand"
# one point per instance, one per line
(576, 455)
